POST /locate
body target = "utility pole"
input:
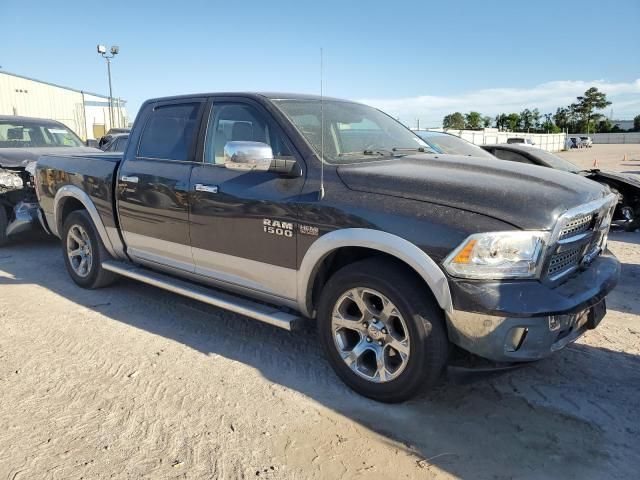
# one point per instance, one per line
(102, 50)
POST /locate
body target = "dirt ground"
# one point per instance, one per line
(609, 157)
(135, 382)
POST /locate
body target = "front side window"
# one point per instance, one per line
(169, 132)
(352, 132)
(232, 122)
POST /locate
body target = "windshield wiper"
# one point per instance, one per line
(380, 152)
(412, 149)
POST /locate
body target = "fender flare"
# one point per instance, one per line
(76, 193)
(393, 245)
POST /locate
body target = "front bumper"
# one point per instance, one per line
(517, 321)
(26, 216)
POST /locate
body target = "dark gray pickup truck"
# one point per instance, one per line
(282, 207)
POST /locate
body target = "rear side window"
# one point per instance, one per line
(169, 132)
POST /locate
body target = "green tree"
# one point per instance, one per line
(592, 100)
(486, 122)
(547, 126)
(526, 119)
(636, 123)
(535, 118)
(502, 121)
(561, 117)
(513, 121)
(604, 126)
(453, 120)
(473, 120)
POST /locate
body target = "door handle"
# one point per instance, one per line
(127, 179)
(206, 188)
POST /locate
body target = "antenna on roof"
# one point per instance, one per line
(321, 194)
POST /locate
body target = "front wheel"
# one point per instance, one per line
(84, 252)
(382, 331)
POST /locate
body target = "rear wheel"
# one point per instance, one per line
(382, 331)
(84, 252)
(4, 222)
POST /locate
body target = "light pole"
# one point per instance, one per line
(102, 50)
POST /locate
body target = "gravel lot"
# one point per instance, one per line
(134, 382)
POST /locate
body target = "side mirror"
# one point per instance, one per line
(91, 143)
(247, 156)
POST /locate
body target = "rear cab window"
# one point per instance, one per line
(169, 132)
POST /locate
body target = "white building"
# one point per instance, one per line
(85, 113)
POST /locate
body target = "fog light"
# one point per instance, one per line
(515, 339)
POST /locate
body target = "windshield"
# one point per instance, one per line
(352, 132)
(21, 134)
(452, 145)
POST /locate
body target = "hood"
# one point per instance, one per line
(628, 178)
(19, 157)
(526, 196)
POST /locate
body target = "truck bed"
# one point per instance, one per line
(93, 174)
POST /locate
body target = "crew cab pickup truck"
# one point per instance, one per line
(283, 207)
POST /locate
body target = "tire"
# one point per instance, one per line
(78, 231)
(419, 318)
(4, 222)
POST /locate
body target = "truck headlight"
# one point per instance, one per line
(497, 255)
(10, 179)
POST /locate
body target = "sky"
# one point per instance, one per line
(415, 60)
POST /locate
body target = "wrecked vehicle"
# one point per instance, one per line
(282, 207)
(625, 186)
(22, 141)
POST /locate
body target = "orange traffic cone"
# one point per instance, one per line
(595, 162)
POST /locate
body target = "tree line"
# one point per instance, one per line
(579, 117)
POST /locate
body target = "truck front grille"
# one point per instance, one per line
(576, 226)
(581, 236)
(564, 260)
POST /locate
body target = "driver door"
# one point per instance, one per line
(230, 210)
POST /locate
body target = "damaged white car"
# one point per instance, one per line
(22, 141)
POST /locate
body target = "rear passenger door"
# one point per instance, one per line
(153, 185)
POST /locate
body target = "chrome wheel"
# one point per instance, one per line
(370, 335)
(79, 250)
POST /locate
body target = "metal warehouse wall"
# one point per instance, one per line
(85, 113)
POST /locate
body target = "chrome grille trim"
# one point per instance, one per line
(580, 235)
(564, 260)
(575, 226)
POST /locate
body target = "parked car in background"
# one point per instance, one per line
(625, 186)
(520, 141)
(586, 142)
(287, 206)
(441, 142)
(574, 142)
(110, 134)
(22, 141)
(117, 143)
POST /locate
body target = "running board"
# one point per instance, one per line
(258, 311)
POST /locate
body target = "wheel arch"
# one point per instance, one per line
(371, 240)
(71, 198)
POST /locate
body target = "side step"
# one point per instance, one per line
(259, 311)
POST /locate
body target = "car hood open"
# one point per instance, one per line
(19, 157)
(526, 196)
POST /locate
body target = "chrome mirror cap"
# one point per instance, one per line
(247, 156)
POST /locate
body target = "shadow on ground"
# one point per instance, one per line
(497, 425)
